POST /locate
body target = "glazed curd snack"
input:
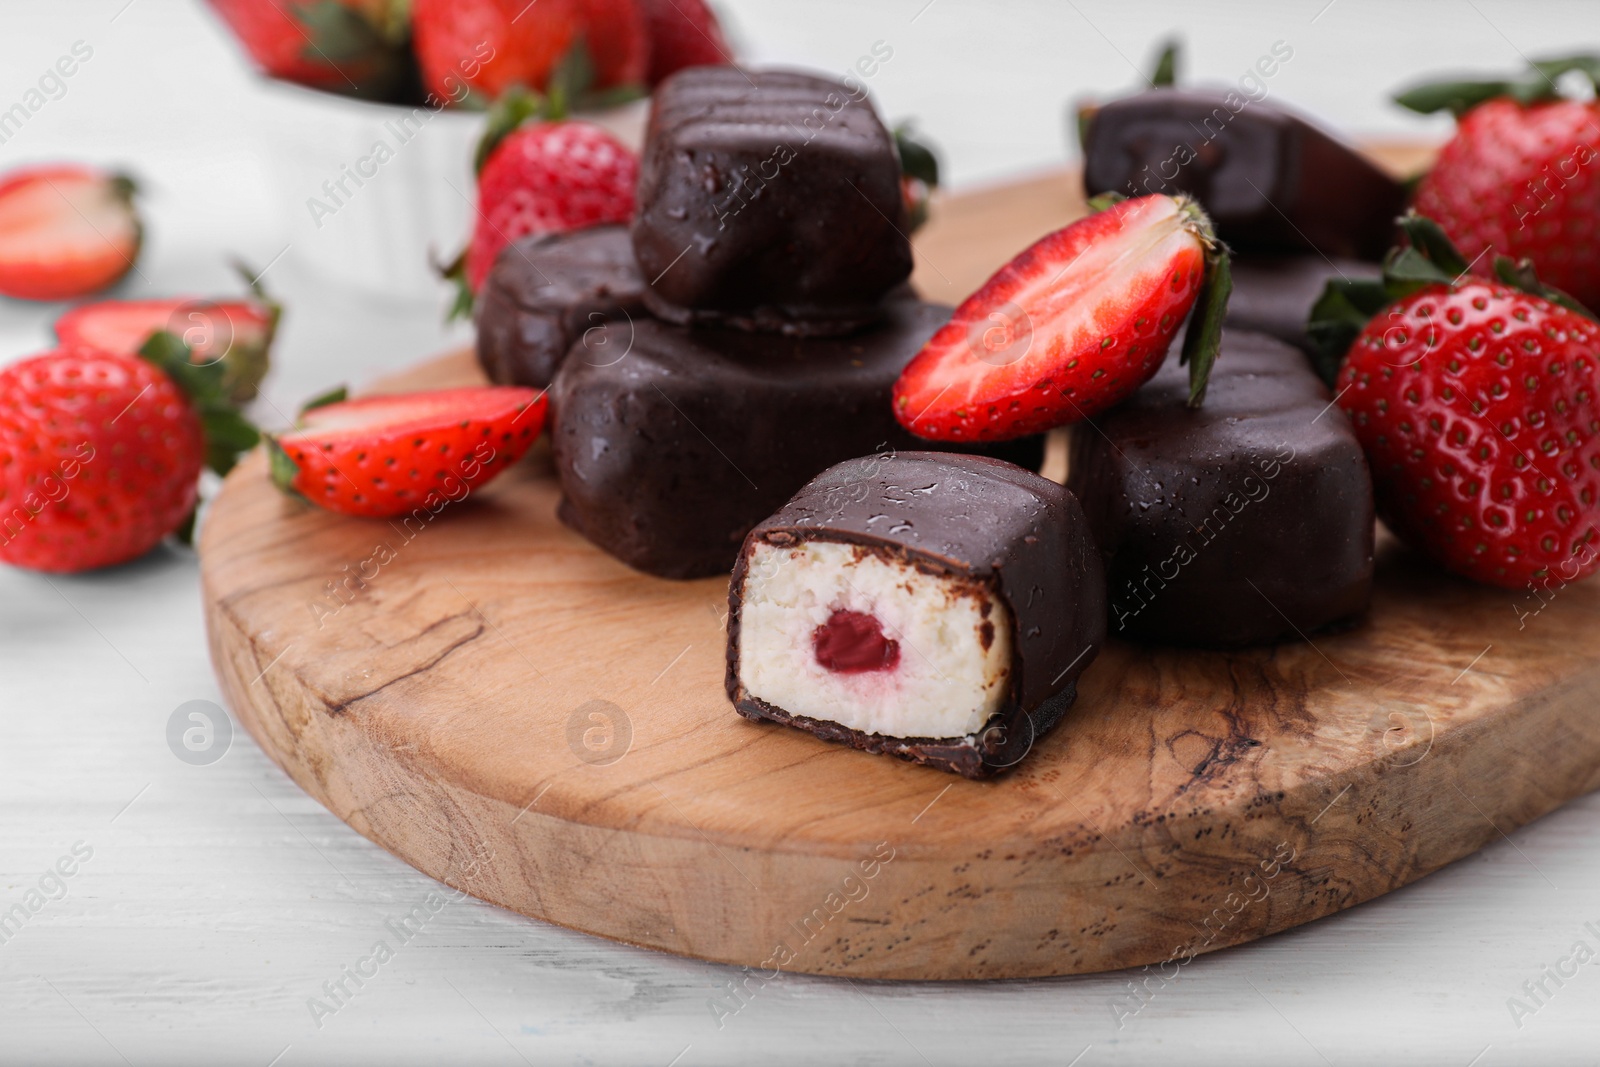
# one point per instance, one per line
(546, 292)
(930, 606)
(769, 200)
(1246, 521)
(669, 454)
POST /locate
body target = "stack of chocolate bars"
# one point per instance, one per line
(742, 337)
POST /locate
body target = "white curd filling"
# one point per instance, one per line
(945, 642)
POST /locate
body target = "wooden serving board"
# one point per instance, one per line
(513, 712)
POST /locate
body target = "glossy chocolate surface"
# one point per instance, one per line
(976, 518)
(1274, 294)
(546, 292)
(1270, 180)
(1247, 521)
(669, 455)
(768, 201)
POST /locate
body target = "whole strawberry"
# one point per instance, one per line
(540, 175)
(488, 46)
(353, 47)
(100, 452)
(1478, 404)
(65, 231)
(1521, 176)
(683, 33)
(1073, 324)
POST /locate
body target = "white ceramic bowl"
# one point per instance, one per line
(372, 191)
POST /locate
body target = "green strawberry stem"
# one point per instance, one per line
(1203, 340)
(1535, 85)
(1347, 304)
(228, 434)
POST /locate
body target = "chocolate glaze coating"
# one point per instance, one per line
(670, 455)
(1271, 181)
(768, 201)
(1274, 294)
(545, 291)
(1245, 522)
(972, 517)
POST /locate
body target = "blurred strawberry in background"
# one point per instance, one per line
(65, 231)
(683, 33)
(355, 47)
(470, 52)
(539, 172)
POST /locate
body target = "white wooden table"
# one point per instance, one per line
(210, 904)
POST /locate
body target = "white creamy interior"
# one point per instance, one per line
(946, 683)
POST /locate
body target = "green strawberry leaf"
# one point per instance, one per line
(570, 80)
(917, 159)
(227, 432)
(1104, 202)
(1165, 74)
(1345, 307)
(282, 469)
(1521, 275)
(1203, 340)
(1587, 64)
(337, 395)
(516, 106)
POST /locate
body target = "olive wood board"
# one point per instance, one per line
(515, 713)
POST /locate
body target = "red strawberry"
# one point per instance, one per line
(100, 452)
(618, 41)
(1072, 325)
(683, 33)
(238, 333)
(1521, 175)
(65, 231)
(1478, 405)
(394, 454)
(344, 46)
(539, 176)
(488, 46)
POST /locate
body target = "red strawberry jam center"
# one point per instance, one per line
(851, 642)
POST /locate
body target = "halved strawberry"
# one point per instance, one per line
(1072, 325)
(65, 231)
(394, 454)
(236, 333)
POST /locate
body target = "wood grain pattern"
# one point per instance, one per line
(511, 711)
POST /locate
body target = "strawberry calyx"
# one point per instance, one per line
(1534, 86)
(1163, 75)
(1203, 339)
(281, 467)
(1430, 258)
(228, 434)
(919, 173)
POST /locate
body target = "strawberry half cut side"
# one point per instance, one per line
(390, 455)
(65, 231)
(237, 333)
(1072, 325)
